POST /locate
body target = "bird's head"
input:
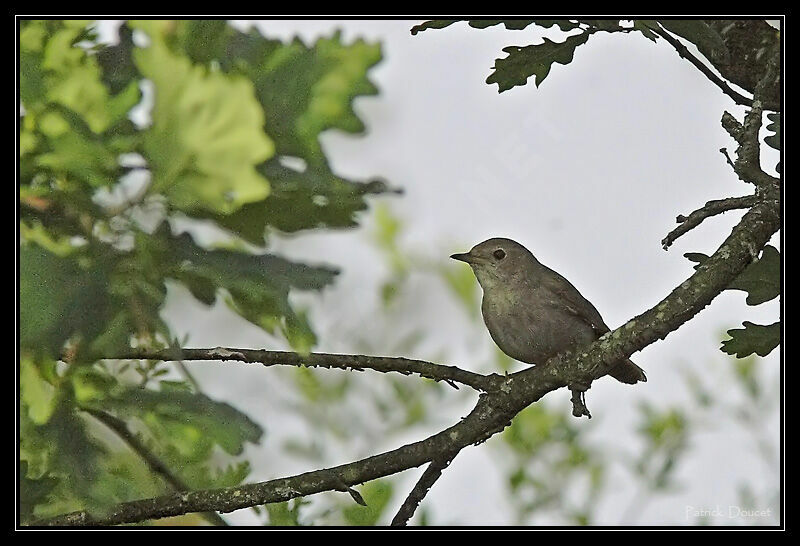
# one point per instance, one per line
(498, 261)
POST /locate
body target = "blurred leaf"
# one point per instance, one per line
(32, 491)
(36, 393)
(377, 495)
(754, 338)
(74, 81)
(664, 428)
(116, 61)
(58, 299)
(305, 90)
(534, 427)
(192, 422)
(258, 284)
(61, 448)
(461, 282)
(300, 200)
(745, 369)
(285, 514)
(523, 62)
(206, 138)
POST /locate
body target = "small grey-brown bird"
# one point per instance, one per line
(532, 312)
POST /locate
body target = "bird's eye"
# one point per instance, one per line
(499, 253)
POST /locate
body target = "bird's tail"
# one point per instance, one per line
(627, 372)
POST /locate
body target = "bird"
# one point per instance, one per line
(532, 312)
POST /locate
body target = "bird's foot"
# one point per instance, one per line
(578, 399)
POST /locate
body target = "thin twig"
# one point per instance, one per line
(684, 52)
(724, 152)
(421, 488)
(712, 208)
(384, 364)
(156, 465)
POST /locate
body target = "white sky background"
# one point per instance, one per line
(589, 172)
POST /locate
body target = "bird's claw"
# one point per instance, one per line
(578, 399)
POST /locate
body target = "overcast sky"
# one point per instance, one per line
(588, 171)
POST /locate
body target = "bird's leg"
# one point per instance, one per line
(578, 399)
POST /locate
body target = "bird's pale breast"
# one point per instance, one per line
(532, 333)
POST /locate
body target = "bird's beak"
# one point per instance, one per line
(466, 257)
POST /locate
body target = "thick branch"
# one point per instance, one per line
(495, 409)
(748, 155)
(385, 364)
(711, 208)
(421, 488)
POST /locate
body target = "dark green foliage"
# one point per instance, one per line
(533, 60)
(762, 282)
(761, 279)
(753, 338)
(774, 140)
(230, 108)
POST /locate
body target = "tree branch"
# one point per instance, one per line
(494, 409)
(711, 208)
(748, 155)
(153, 462)
(384, 364)
(421, 488)
(684, 52)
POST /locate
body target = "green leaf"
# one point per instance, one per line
(285, 514)
(37, 394)
(72, 154)
(311, 199)
(435, 24)
(774, 140)
(607, 25)
(258, 284)
(58, 299)
(116, 61)
(207, 136)
(462, 283)
(754, 338)
(762, 278)
(61, 448)
(510, 24)
(377, 495)
(192, 422)
(32, 491)
(305, 90)
(523, 62)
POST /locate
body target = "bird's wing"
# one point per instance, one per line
(566, 297)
